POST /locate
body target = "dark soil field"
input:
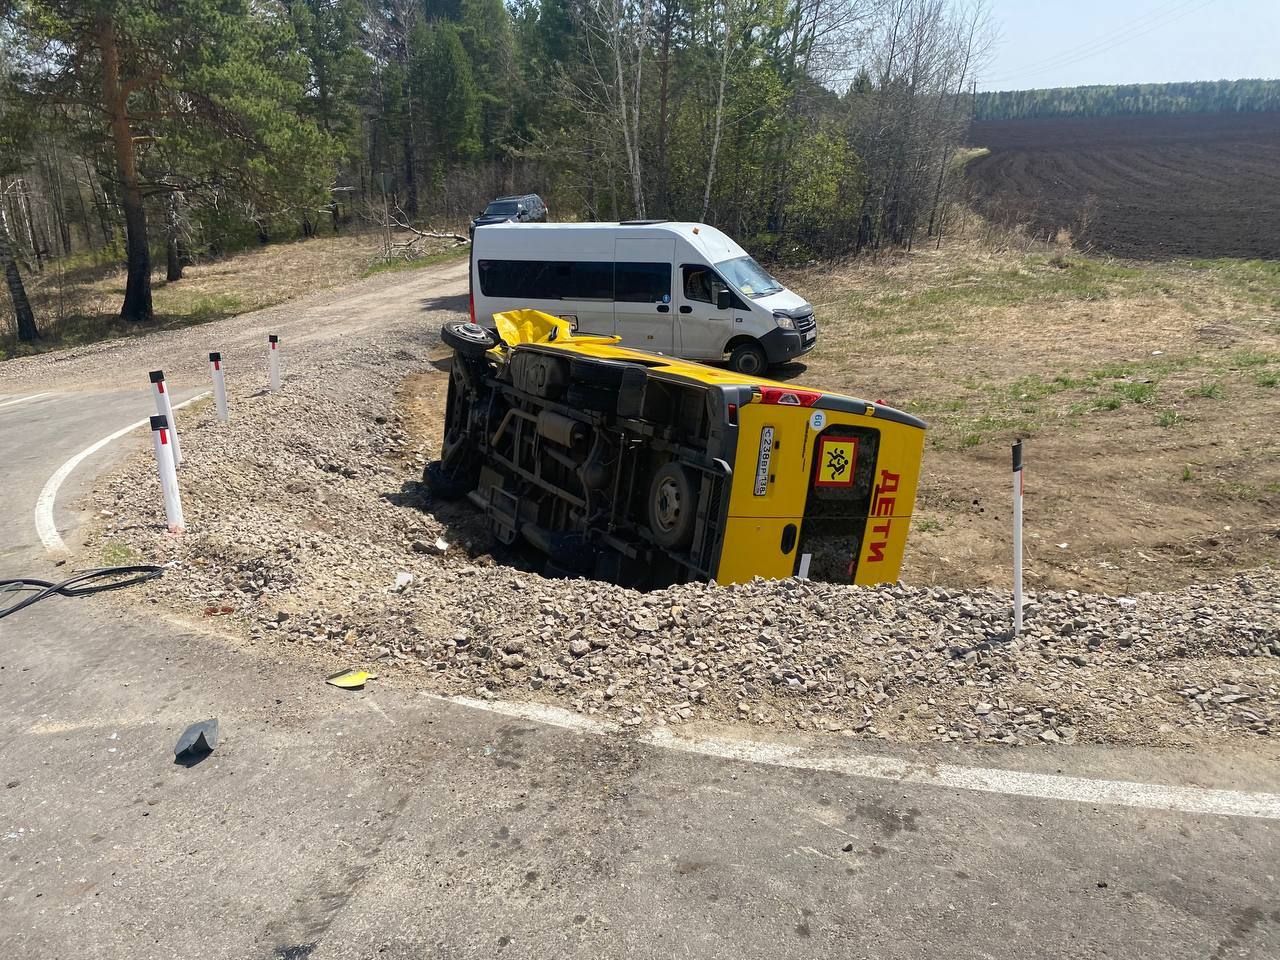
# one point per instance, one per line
(1195, 186)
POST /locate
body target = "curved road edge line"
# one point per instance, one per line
(1016, 783)
(14, 401)
(45, 526)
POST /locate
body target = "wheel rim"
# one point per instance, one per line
(473, 332)
(750, 363)
(667, 505)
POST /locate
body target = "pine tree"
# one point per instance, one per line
(199, 94)
(15, 142)
(441, 78)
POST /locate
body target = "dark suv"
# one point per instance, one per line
(528, 208)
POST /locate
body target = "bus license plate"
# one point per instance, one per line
(762, 462)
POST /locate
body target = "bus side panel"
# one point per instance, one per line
(892, 503)
(771, 469)
(752, 547)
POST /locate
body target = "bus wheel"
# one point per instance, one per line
(749, 358)
(671, 506)
(469, 339)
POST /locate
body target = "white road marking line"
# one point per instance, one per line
(17, 400)
(1039, 786)
(45, 527)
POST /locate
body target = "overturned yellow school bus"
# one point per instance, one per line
(643, 470)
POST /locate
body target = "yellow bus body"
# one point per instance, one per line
(761, 508)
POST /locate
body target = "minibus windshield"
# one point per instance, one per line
(748, 277)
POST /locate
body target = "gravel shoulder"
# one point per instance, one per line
(309, 534)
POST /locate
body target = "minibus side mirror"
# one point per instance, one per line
(722, 299)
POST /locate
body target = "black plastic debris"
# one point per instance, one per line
(196, 742)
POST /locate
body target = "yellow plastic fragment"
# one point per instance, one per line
(350, 679)
(533, 326)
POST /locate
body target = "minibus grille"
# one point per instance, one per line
(805, 324)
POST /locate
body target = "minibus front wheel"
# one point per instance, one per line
(749, 358)
(671, 506)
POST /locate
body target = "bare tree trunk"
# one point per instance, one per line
(629, 113)
(719, 126)
(137, 292)
(100, 205)
(27, 330)
(60, 201)
(668, 24)
(173, 255)
(407, 146)
(37, 244)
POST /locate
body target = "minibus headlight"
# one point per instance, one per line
(785, 322)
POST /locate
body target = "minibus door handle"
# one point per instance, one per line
(663, 308)
(685, 308)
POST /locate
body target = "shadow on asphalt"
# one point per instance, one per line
(454, 304)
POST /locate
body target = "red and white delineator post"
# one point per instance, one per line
(161, 437)
(165, 409)
(1017, 538)
(273, 361)
(219, 386)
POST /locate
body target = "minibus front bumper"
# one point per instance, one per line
(782, 345)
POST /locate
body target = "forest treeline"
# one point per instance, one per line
(1134, 99)
(185, 128)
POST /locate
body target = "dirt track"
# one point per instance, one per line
(1143, 187)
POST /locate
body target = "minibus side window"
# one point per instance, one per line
(589, 281)
(642, 282)
(697, 283)
(701, 282)
(546, 279)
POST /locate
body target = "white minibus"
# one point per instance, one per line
(680, 289)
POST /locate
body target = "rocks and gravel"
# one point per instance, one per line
(308, 530)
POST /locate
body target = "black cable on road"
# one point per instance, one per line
(81, 585)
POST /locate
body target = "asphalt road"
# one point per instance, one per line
(387, 824)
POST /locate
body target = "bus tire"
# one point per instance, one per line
(749, 359)
(468, 339)
(672, 506)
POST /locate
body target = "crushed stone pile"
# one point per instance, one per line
(308, 529)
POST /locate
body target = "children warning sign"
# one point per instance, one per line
(836, 459)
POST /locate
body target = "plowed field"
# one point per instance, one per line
(1204, 185)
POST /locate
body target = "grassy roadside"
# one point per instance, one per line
(78, 302)
(993, 346)
(450, 255)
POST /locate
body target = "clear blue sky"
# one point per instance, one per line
(1068, 43)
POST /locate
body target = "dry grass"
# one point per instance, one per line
(81, 304)
(1120, 375)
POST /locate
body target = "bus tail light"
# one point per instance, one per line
(786, 397)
